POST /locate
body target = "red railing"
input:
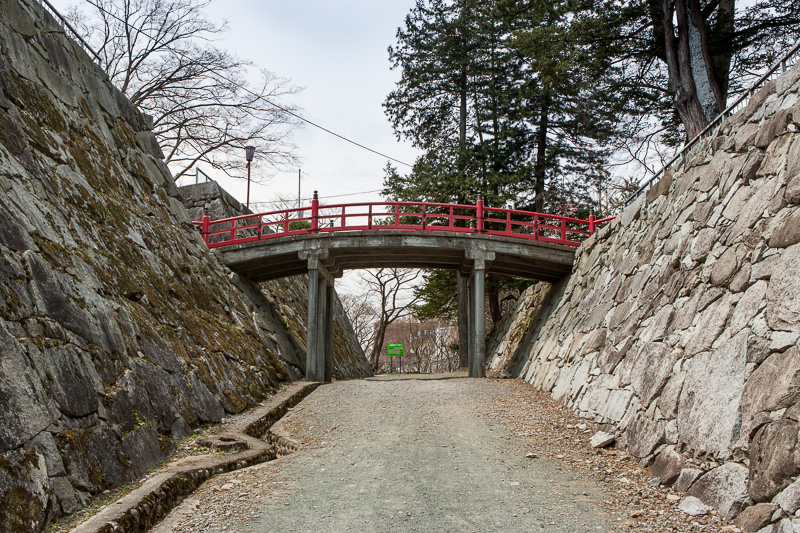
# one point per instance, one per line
(406, 216)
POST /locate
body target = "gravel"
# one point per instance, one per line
(436, 453)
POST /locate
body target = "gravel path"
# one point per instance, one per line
(405, 453)
(437, 453)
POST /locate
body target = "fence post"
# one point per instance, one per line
(205, 227)
(591, 224)
(315, 213)
(480, 215)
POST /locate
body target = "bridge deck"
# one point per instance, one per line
(344, 250)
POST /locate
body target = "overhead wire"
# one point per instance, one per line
(279, 202)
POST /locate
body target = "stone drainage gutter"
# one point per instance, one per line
(144, 507)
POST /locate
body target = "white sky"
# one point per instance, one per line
(337, 52)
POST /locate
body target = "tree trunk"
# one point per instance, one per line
(462, 124)
(540, 167)
(494, 298)
(693, 73)
(377, 346)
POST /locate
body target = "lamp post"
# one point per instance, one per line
(249, 151)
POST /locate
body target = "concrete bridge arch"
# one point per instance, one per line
(324, 256)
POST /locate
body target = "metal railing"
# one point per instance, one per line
(777, 69)
(69, 28)
(403, 216)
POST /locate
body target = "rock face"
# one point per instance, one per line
(119, 331)
(681, 320)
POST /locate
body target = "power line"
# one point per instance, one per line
(279, 202)
(260, 97)
(314, 177)
(314, 124)
(350, 194)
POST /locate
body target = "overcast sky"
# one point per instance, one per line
(337, 52)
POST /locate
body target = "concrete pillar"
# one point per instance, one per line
(320, 292)
(463, 320)
(322, 320)
(477, 316)
(329, 332)
(478, 325)
(471, 342)
(313, 334)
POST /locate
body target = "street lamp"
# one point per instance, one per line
(249, 151)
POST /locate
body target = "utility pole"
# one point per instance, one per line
(299, 201)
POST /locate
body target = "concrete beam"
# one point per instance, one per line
(279, 257)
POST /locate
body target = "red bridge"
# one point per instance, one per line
(325, 240)
(404, 216)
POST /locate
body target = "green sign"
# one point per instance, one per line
(396, 350)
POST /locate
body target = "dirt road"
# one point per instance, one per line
(399, 453)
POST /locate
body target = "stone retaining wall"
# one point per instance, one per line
(679, 326)
(119, 330)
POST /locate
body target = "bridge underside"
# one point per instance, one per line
(325, 256)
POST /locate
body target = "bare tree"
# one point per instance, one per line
(157, 52)
(422, 339)
(363, 315)
(390, 285)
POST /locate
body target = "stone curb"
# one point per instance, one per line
(145, 506)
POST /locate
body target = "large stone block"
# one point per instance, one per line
(755, 517)
(783, 294)
(789, 498)
(749, 306)
(724, 488)
(667, 466)
(651, 369)
(725, 268)
(788, 232)
(26, 408)
(774, 385)
(93, 458)
(24, 491)
(644, 436)
(65, 375)
(709, 409)
(710, 324)
(774, 459)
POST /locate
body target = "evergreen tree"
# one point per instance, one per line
(685, 57)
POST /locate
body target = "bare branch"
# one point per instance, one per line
(158, 53)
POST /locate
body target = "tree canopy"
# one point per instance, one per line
(530, 103)
(204, 108)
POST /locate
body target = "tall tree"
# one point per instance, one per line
(693, 53)
(158, 53)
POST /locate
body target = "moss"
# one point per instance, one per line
(37, 102)
(21, 510)
(124, 133)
